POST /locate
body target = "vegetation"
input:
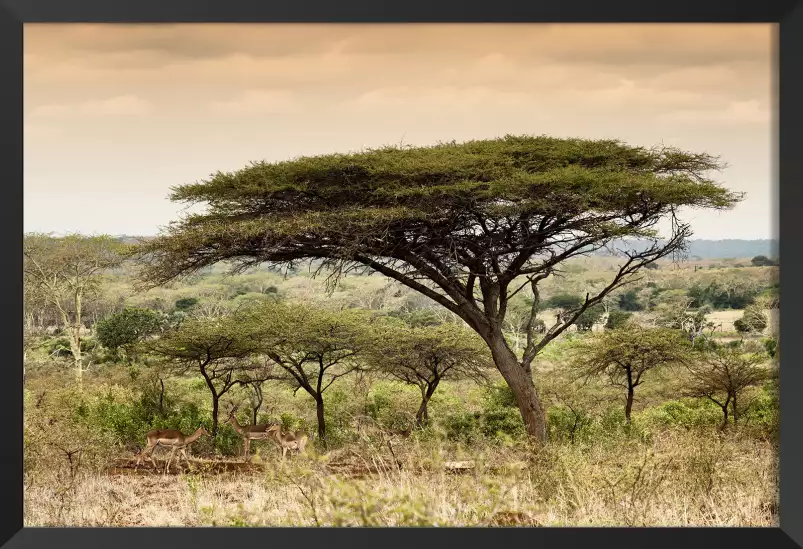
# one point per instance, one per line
(625, 354)
(424, 357)
(63, 273)
(459, 223)
(400, 320)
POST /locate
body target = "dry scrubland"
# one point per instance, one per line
(672, 466)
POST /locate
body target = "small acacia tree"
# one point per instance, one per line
(219, 349)
(426, 356)
(313, 347)
(626, 354)
(465, 224)
(722, 375)
(67, 271)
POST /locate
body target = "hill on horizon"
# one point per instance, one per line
(697, 249)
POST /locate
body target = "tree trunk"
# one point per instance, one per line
(629, 405)
(76, 340)
(321, 419)
(162, 398)
(215, 406)
(521, 384)
(422, 416)
(630, 393)
(258, 394)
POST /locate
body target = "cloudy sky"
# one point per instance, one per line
(117, 114)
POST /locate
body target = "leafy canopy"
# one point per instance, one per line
(425, 355)
(447, 220)
(128, 327)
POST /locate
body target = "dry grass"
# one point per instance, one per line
(680, 478)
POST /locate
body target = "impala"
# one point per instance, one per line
(170, 438)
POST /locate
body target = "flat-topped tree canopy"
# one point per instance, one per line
(458, 222)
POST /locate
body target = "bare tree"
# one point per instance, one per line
(67, 271)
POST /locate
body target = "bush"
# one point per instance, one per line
(629, 301)
(753, 321)
(762, 261)
(567, 425)
(501, 416)
(393, 406)
(771, 346)
(127, 327)
(186, 303)
(617, 319)
(463, 426)
(678, 413)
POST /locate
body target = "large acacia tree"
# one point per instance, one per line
(466, 224)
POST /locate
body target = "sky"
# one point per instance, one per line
(115, 115)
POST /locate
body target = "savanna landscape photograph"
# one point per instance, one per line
(400, 275)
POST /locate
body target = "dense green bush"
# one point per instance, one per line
(617, 319)
(462, 426)
(569, 426)
(686, 414)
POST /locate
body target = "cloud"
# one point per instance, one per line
(440, 99)
(256, 102)
(123, 105)
(735, 112)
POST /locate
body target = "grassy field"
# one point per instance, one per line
(472, 465)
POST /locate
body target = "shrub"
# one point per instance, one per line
(61, 347)
(629, 301)
(617, 319)
(186, 303)
(567, 425)
(753, 320)
(463, 426)
(678, 413)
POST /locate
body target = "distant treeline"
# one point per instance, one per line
(702, 249)
(715, 249)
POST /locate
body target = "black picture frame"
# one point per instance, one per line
(789, 123)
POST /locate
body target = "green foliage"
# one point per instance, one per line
(721, 296)
(564, 301)
(763, 261)
(462, 426)
(683, 413)
(753, 320)
(392, 405)
(771, 346)
(186, 303)
(501, 415)
(617, 319)
(565, 424)
(590, 316)
(629, 301)
(127, 327)
(60, 347)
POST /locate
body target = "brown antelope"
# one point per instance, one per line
(249, 432)
(288, 440)
(170, 438)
